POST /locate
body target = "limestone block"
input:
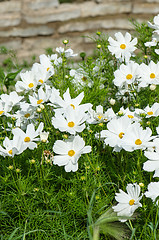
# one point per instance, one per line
(10, 19)
(63, 13)
(151, 8)
(91, 9)
(40, 4)
(152, 1)
(12, 45)
(95, 25)
(105, 1)
(27, 32)
(37, 46)
(11, 6)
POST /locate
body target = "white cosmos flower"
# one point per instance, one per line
(137, 138)
(45, 61)
(29, 136)
(117, 129)
(126, 74)
(152, 111)
(123, 47)
(5, 108)
(69, 152)
(68, 52)
(11, 99)
(25, 115)
(71, 121)
(55, 59)
(148, 74)
(153, 163)
(130, 114)
(153, 191)
(67, 101)
(128, 202)
(80, 77)
(28, 81)
(41, 97)
(156, 23)
(41, 74)
(12, 147)
(99, 116)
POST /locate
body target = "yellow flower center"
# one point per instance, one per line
(48, 69)
(150, 113)
(71, 153)
(152, 75)
(129, 76)
(31, 85)
(123, 46)
(10, 151)
(1, 112)
(100, 117)
(130, 116)
(121, 135)
(84, 78)
(27, 139)
(72, 106)
(39, 101)
(27, 115)
(71, 124)
(41, 81)
(131, 202)
(138, 142)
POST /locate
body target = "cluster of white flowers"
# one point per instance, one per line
(35, 94)
(131, 77)
(155, 35)
(124, 129)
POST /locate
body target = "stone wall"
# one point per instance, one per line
(31, 26)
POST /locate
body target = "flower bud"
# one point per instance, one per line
(99, 46)
(38, 110)
(44, 136)
(141, 184)
(112, 101)
(65, 41)
(10, 167)
(42, 107)
(152, 87)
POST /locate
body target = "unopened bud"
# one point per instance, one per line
(65, 41)
(112, 101)
(152, 87)
(38, 110)
(42, 107)
(141, 184)
(99, 46)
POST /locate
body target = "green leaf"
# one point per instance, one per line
(9, 80)
(2, 75)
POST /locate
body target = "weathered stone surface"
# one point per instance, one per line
(27, 32)
(95, 25)
(150, 8)
(40, 4)
(105, 1)
(11, 6)
(37, 46)
(63, 13)
(91, 9)
(10, 19)
(152, 1)
(12, 45)
(26, 22)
